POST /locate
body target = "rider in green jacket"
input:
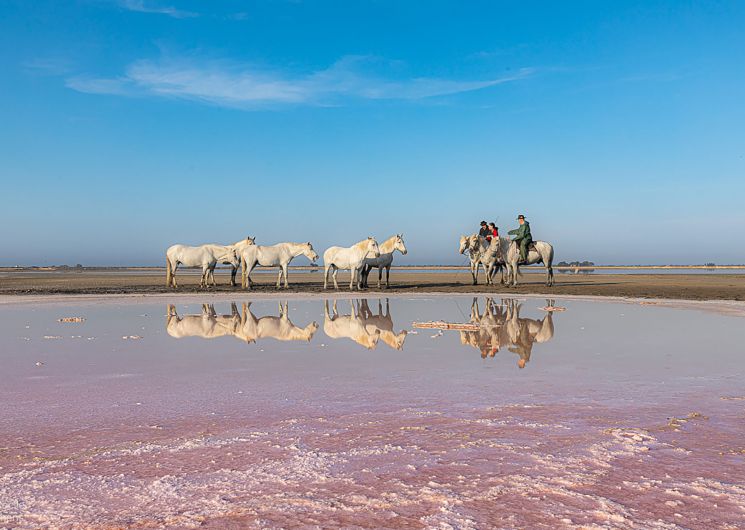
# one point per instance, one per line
(522, 237)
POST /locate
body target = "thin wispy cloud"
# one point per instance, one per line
(229, 84)
(53, 66)
(153, 7)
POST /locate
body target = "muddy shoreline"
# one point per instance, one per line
(657, 286)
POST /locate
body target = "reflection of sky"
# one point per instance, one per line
(598, 351)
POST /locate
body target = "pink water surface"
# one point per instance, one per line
(623, 416)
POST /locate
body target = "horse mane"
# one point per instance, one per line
(387, 245)
(362, 243)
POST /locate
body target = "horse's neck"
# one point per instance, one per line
(295, 248)
(361, 248)
(220, 251)
(388, 245)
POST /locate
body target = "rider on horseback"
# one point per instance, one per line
(522, 237)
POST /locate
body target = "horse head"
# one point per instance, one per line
(399, 245)
(310, 253)
(310, 330)
(372, 247)
(464, 244)
(234, 257)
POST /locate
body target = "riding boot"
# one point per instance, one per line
(523, 252)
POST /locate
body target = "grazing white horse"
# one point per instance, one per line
(539, 252)
(279, 255)
(385, 260)
(489, 255)
(352, 327)
(351, 258)
(205, 256)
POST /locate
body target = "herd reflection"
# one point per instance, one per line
(243, 326)
(500, 326)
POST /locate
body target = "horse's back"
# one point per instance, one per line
(330, 253)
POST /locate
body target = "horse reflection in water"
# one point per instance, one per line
(208, 325)
(362, 325)
(279, 328)
(244, 326)
(382, 323)
(501, 325)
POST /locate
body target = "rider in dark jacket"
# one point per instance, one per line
(522, 237)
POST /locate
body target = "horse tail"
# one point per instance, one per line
(548, 262)
(169, 271)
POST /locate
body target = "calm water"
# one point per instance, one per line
(266, 414)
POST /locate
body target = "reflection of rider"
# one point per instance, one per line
(522, 237)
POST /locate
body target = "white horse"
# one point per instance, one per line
(279, 255)
(205, 256)
(385, 260)
(352, 326)
(351, 258)
(538, 252)
(489, 255)
(239, 246)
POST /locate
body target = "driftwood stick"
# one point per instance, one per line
(446, 325)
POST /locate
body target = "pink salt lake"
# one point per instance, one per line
(606, 415)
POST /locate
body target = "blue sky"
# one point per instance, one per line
(129, 125)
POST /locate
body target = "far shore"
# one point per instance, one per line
(397, 267)
(455, 281)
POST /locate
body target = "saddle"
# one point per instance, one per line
(531, 246)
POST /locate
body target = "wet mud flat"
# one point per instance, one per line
(339, 413)
(673, 286)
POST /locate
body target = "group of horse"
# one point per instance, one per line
(359, 259)
(501, 254)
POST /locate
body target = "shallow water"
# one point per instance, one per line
(606, 415)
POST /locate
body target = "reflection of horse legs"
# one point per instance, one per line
(171, 314)
(328, 315)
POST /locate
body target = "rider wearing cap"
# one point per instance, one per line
(522, 237)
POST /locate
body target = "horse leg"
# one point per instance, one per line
(279, 277)
(173, 277)
(514, 272)
(333, 276)
(168, 272)
(353, 277)
(284, 271)
(325, 276)
(475, 272)
(233, 272)
(387, 276)
(380, 276)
